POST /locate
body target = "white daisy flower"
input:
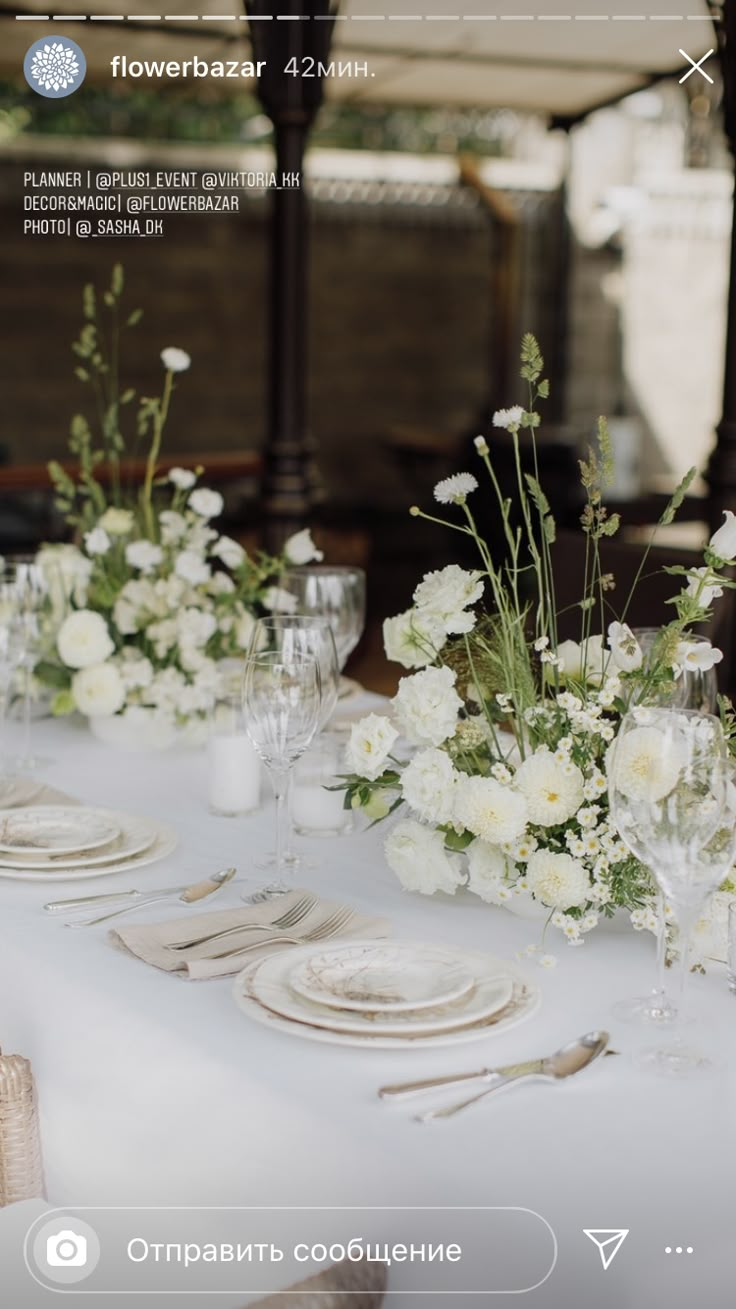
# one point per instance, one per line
(456, 489)
(508, 418)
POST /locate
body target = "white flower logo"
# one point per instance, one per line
(55, 66)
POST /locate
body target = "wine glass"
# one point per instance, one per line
(283, 702)
(10, 657)
(337, 594)
(695, 688)
(38, 605)
(300, 634)
(669, 788)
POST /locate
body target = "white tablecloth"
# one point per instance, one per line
(156, 1091)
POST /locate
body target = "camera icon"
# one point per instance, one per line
(66, 1250)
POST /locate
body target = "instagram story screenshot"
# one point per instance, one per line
(367, 654)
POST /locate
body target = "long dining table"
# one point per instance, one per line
(158, 1092)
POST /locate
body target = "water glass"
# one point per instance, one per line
(234, 766)
(318, 810)
(337, 594)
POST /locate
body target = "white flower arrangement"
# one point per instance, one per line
(156, 597)
(507, 791)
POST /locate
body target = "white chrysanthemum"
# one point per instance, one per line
(182, 478)
(191, 567)
(55, 66)
(279, 601)
(447, 593)
(413, 639)
(143, 555)
(229, 551)
(487, 869)
(645, 763)
(370, 744)
(98, 690)
(456, 489)
(489, 810)
(553, 791)
(508, 418)
(557, 879)
(84, 639)
(175, 360)
(417, 855)
(97, 541)
(300, 548)
(118, 522)
(428, 785)
(206, 503)
(427, 706)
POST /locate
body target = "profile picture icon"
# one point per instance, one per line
(66, 1250)
(55, 67)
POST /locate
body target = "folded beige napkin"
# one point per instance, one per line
(167, 945)
(23, 792)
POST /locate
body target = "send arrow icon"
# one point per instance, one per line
(609, 1242)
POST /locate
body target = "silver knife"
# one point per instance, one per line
(84, 901)
(403, 1090)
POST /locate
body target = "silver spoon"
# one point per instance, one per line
(568, 1061)
(190, 895)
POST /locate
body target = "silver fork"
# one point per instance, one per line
(330, 927)
(289, 918)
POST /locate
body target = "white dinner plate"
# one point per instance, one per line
(381, 976)
(135, 836)
(48, 830)
(162, 843)
(524, 1002)
(490, 991)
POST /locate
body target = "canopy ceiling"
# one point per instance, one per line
(552, 56)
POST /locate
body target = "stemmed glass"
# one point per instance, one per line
(695, 688)
(337, 594)
(300, 634)
(669, 790)
(10, 657)
(37, 603)
(282, 700)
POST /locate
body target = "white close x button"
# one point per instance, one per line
(696, 67)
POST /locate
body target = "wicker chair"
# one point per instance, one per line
(347, 1285)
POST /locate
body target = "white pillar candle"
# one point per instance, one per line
(315, 809)
(234, 774)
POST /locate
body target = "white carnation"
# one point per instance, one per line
(117, 522)
(98, 690)
(191, 567)
(645, 763)
(487, 869)
(182, 478)
(175, 360)
(417, 855)
(557, 879)
(97, 541)
(413, 639)
(370, 744)
(229, 551)
(428, 785)
(494, 812)
(143, 555)
(206, 503)
(447, 593)
(84, 639)
(427, 706)
(553, 791)
(300, 549)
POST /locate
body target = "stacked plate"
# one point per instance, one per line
(388, 994)
(43, 843)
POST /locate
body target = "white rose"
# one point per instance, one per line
(447, 593)
(173, 526)
(413, 639)
(428, 785)
(626, 653)
(490, 810)
(84, 639)
(427, 706)
(300, 548)
(182, 478)
(175, 360)
(190, 567)
(417, 855)
(143, 555)
(230, 552)
(723, 542)
(279, 601)
(117, 522)
(206, 503)
(557, 879)
(487, 868)
(370, 744)
(97, 542)
(553, 791)
(98, 690)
